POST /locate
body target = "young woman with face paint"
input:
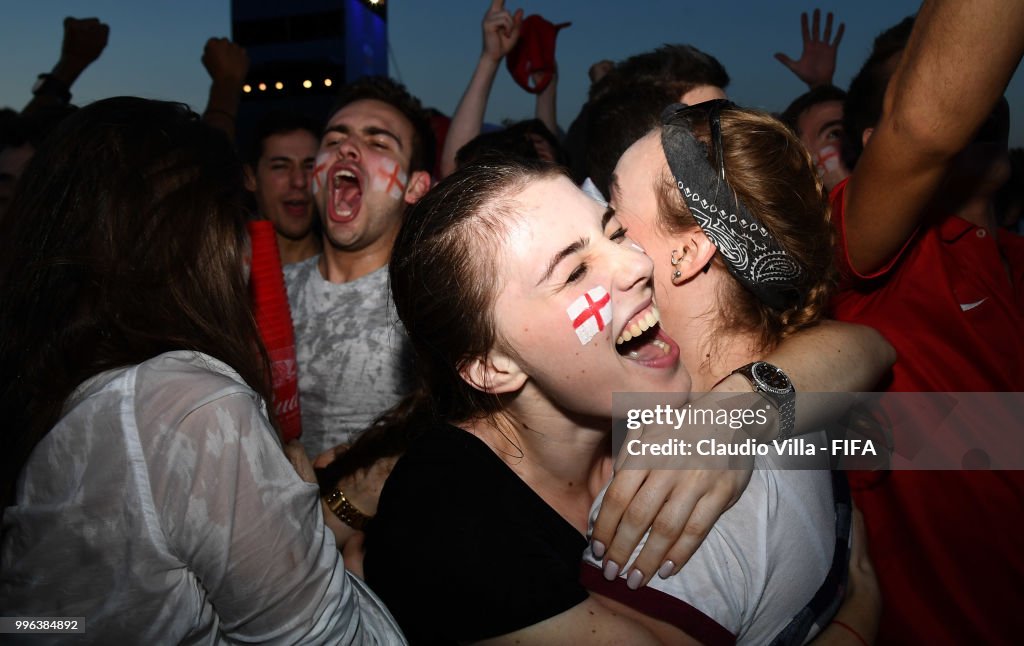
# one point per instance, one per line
(516, 290)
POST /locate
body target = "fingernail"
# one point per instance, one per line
(634, 580)
(598, 548)
(611, 570)
(666, 569)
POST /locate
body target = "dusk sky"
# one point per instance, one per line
(155, 46)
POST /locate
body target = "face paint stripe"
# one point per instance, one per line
(320, 172)
(590, 313)
(828, 158)
(391, 182)
(593, 309)
(394, 181)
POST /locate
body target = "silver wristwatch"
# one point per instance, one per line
(775, 386)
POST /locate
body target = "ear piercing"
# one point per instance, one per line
(675, 261)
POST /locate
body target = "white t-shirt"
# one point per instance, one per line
(765, 557)
(161, 509)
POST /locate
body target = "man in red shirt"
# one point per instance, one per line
(923, 261)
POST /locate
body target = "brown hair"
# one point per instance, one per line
(386, 90)
(444, 276)
(773, 175)
(125, 241)
(821, 94)
(676, 68)
(444, 279)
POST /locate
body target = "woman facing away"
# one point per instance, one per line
(144, 488)
(520, 295)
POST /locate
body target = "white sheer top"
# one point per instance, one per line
(162, 510)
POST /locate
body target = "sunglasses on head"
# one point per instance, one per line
(710, 112)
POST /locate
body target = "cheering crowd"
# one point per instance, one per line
(464, 301)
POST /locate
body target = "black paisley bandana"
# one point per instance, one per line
(750, 251)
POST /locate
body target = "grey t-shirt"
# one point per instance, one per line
(353, 355)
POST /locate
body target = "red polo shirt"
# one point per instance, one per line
(947, 545)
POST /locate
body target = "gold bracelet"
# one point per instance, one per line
(346, 511)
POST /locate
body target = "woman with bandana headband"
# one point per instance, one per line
(728, 201)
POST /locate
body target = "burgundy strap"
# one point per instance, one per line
(658, 605)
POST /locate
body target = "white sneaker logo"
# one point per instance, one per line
(971, 306)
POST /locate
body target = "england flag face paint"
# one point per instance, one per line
(590, 313)
(828, 159)
(323, 162)
(390, 179)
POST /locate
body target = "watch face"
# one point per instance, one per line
(771, 377)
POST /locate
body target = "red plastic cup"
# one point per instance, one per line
(273, 318)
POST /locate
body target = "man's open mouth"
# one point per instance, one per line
(346, 195)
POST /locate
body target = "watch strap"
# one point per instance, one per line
(785, 402)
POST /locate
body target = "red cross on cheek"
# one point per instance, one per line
(590, 313)
(317, 182)
(393, 179)
(593, 310)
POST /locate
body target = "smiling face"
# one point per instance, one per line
(635, 200)
(281, 182)
(362, 181)
(576, 308)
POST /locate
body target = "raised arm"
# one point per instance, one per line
(817, 62)
(84, 41)
(680, 506)
(547, 105)
(500, 33)
(227, 64)
(956, 65)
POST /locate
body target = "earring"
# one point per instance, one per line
(675, 261)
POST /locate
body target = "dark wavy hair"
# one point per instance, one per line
(625, 104)
(279, 122)
(125, 241)
(821, 94)
(444, 279)
(677, 68)
(617, 120)
(386, 90)
(513, 140)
